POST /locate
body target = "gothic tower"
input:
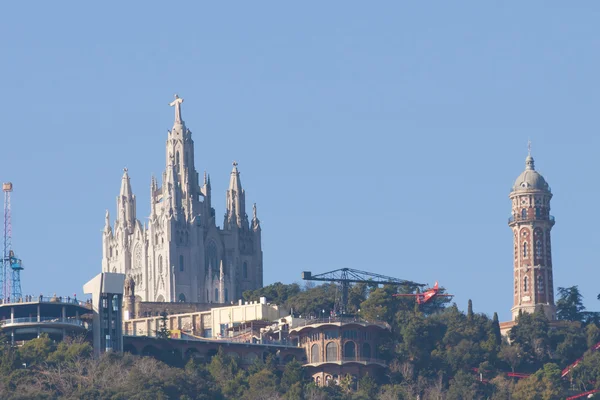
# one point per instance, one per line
(531, 224)
(181, 254)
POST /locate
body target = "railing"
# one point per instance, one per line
(360, 360)
(43, 320)
(47, 299)
(341, 320)
(518, 218)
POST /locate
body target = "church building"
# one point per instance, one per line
(180, 254)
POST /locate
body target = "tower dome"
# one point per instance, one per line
(530, 179)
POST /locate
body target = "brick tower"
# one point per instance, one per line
(531, 224)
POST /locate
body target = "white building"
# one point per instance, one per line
(181, 254)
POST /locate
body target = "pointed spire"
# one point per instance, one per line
(107, 227)
(236, 201)
(255, 220)
(126, 203)
(125, 184)
(234, 181)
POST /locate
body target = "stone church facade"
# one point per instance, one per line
(180, 254)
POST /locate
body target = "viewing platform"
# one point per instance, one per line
(57, 316)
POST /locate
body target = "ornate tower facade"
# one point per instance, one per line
(531, 224)
(181, 254)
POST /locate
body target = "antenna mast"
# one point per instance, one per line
(10, 277)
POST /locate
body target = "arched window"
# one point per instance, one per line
(318, 380)
(366, 350)
(540, 284)
(216, 295)
(181, 263)
(245, 270)
(160, 266)
(538, 248)
(314, 354)
(525, 284)
(524, 214)
(110, 252)
(350, 350)
(156, 238)
(211, 257)
(177, 161)
(331, 352)
(525, 250)
(182, 297)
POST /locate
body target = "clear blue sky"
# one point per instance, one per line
(381, 136)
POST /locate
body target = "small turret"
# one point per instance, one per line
(255, 220)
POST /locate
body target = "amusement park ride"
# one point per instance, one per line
(426, 296)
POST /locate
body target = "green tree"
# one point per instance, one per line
(292, 373)
(261, 386)
(570, 304)
(37, 350)
(163, 331)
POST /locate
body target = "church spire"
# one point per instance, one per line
(236, 201)
(125, 184)
(126, 203)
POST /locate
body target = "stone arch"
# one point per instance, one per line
(350, 349)
(366, 350)
(288, 358)
(314, 354)
(233, 355)
(182, 297)
(328, 380)
(160, 299)
(192, 353)
(211, 257)
(129, 348)
(151, 351)
(331, 351)
(250, 358)
(210, 354)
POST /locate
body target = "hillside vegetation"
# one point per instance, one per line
(434, 352)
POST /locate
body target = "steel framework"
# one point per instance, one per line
(346, 276)
(10, 278)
